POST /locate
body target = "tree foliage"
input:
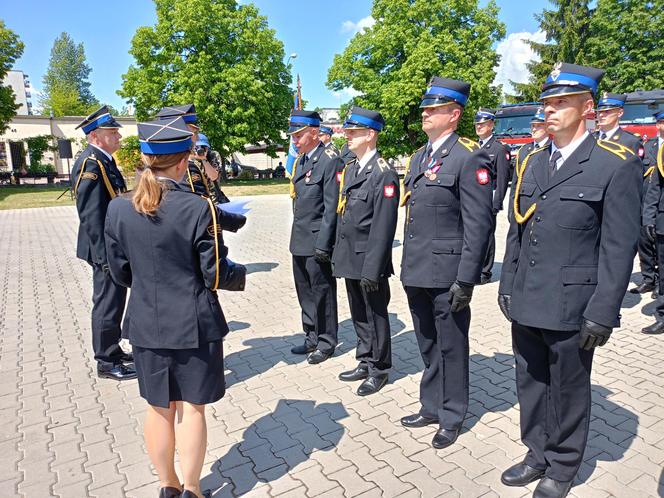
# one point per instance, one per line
(223, 58)
(66, 85)
(567, 32)
(11, 48)
(626, 40)
(391, 62)
(129, 154)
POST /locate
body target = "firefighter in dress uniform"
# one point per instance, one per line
(368, 206)
(448, 202)
(574, 232)
(314, 189)
(97, 180)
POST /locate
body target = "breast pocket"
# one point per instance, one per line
(526, 195)
(580, 207)
(440, 191)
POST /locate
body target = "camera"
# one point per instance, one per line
(200, 150)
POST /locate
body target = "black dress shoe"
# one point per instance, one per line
(550, 488)
(655, 328)
(303, 349)
(654, 295)
(169, 492)
(444, 438)
(372, 385)
(318, 357)
(190, 494)
(118, 372)
(417, 420)
(642, 288)
(127, 357)
(360, 372)
(520, 475)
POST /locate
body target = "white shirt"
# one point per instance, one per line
(542, 143)
(609, 133)
(567, 151)
(110, 157)
(365, 159)
(482, 142)
(659, 141)
(438, 143)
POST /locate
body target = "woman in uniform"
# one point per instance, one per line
(165, 243)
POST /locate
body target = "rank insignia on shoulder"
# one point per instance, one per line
(339, 176)
(330, 153)
(483, 176)
(383, 164)
(195, 177)
(388, 191)
(89, 176)
(469, 144)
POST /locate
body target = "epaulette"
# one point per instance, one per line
(615, 148)
(469, 144)
(331, 153)
(383, 164)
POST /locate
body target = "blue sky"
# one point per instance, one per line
(313, 29)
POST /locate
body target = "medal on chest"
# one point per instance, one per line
(307, 176)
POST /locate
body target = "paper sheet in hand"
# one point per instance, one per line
(235, 207)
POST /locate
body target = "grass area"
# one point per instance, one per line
(23, 196)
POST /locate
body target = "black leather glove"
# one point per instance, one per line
(368, 285)
(505, 304)
(593, 334)
(321, 257)
(652, 232)
(496, 211)
(460, 295)
(234, 277)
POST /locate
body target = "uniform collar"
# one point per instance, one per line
(611, 132)
(366, 158)
(311, 152)
(543, 142)
(108, 156)
(439, 143)
(569, 149)
(486, 140)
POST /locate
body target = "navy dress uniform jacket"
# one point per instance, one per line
(315, 187)
(500, 165)
(173, 303)
(653, 204)
(96, 181)
(573, 257)
(629, 140)
(448, 219)
(366, 226)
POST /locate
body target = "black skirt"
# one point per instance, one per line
(192, 375)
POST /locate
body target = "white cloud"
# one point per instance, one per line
(347, 93)
(515, 53)
(356, 27)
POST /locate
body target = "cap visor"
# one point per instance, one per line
(436, 103)
(560, 91)
(294, 129)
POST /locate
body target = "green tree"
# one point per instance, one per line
(223, 58)
(626, 40)
(391, 62)
(11, 48)
(567, 31)
(66, 86)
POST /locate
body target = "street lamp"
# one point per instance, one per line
(291, 56)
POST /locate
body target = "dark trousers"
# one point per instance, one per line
(442, 337)
(647, 258)
(659, 304)
(372, 325)
(553, 387)
(317, 293)
(108, 304)
(490, 251)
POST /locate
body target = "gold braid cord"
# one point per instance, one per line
(648, 172)
(406, 195)
(104, 176)
(615, 148)
(521, 219)
(341, 205)
(660, 160)
(213, 211)
(292, 178)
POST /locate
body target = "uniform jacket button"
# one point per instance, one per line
(410, 236)
(543, 196)
(532, 262)
(538, 219)
(581, 194)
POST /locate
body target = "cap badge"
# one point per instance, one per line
(556, 71)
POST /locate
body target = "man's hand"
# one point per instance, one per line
(593, 334)
(460, 295)
(321, 257)
(368, 285)
(505, 304)
(652, 232)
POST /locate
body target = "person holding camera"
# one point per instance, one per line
(166, 244)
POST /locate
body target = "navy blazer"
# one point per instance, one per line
(173, 262)
(449, 217)
(96, 181)
(572, 257)
(367, 222)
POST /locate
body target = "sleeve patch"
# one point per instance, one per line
(508, 156)
(330, 153)
(483, 176)
(388, 191)
(211, 230)
(338, 176)
(89, 176)
(195, 177)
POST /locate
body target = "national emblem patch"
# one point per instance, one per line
(388, 191)
(483, 176)
(338, 176)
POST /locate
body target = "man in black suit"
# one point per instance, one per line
(367, 221)
(315, 191)
(500, 167)
(97, 180)
(573, 240)
(448, 200)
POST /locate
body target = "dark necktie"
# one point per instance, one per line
(602, 136)
(553, 161)
(427, 156)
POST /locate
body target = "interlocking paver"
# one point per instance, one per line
(286, 428)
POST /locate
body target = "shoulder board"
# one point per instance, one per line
(383, 164)
(469, 144)
(615, 148)
(92, 158)
(535, 151)
(331, 153)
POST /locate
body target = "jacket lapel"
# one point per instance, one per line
(364, 174)
(574, 163)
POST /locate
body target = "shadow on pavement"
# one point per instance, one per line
(275, 445)
(260, 267)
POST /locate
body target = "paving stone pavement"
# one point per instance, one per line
(286, 428)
